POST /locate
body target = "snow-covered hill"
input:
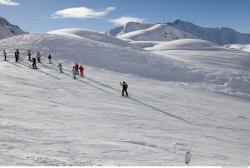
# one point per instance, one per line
(99, 54)
(95, 36)
(240, 47)
(184, 95)
(9, 30)
(183, 44)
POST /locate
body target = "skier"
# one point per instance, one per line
(60, 67)
(74, 72)
(29, 55)
(50, 57)
(38, 56)
(34, 63)
(17, 54)
(81, 71)
(124, 88)
(188, 158)
(5, 55)
(16, 57)
(77, 69)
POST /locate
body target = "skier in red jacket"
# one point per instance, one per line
(81, 71)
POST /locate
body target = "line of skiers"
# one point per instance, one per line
(17, 56)
(76, 70)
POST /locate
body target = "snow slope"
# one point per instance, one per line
(217, 65)
(9, 30)
(104, 55)
(198, 102)
(158, 32)
(47, 118)
(221, 66)
(183, 44)
(241, 47)
(95, 36)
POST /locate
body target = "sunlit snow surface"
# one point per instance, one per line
(182, 100)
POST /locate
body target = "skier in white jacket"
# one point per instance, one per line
(60, 67)
(38, 56)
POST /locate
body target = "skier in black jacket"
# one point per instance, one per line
(34, 63)
(124, 88)
(5, 55)
(17, 54)
(50, 57)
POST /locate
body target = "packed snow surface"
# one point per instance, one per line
(179, 100)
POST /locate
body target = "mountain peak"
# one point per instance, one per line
(9, 30)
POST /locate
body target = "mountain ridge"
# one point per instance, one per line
(220, 36)
(8, 30)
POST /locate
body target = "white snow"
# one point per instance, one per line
(215, 64)
(185, 44)
(186, 95)
(242, 47)
(91, 35)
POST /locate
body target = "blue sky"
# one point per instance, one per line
(101, 15)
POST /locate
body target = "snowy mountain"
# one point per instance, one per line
(158, 32)
(148, 32)
(219, 36)
(185, 95)
(179, 30)
(9, 30)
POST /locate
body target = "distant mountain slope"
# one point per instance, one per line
(219, 36)
(241, 47)
(9, 30)
(158, 32)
